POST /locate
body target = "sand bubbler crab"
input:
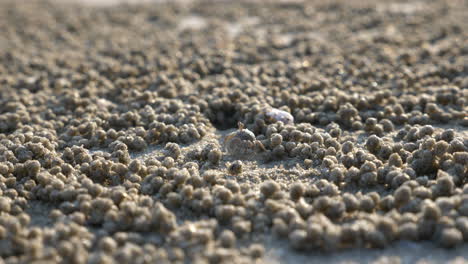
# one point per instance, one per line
(242, 143)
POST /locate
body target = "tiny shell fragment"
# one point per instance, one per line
(273, 115)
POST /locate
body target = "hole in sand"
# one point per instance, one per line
(224, 120)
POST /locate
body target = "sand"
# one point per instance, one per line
(233, 132)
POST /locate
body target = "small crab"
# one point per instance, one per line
(273, 115)
(243, 143)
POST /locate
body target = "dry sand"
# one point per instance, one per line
(119, 138)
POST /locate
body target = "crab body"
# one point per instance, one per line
(242, 143)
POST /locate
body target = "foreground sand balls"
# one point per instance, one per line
(113, 120)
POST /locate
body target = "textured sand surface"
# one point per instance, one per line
(233, 131)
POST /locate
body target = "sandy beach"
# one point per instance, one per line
(233, 131)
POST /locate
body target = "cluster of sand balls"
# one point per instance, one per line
(113, 124)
